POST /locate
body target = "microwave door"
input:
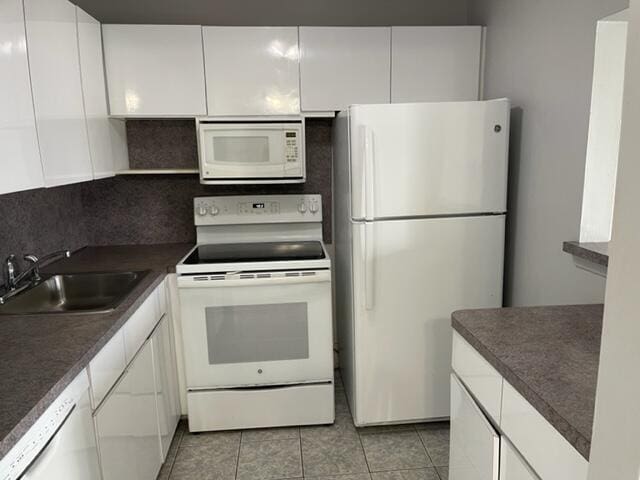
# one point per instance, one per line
(251, 152)
(243, 153)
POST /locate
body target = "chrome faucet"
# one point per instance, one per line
(13, 277)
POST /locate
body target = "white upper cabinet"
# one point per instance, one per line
(95, 95)
(20, 158)
(154, 70)
(252, 70)
(435, 64)
(341, 66)
(57, 91)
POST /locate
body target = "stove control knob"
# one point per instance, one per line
(313, 208)
(214, 210)
(201, 210)
(302, 207)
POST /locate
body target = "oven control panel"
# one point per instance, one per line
(251, 209)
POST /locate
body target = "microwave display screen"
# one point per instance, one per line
(291, 134)
(258, 205)
(241, 149)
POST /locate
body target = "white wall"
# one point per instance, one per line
(280, 12)
(540, 55)
(615, 449)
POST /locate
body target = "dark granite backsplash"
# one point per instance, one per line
(142, 209)
(162, 144)
(42, 221)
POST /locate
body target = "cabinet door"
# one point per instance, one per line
(342, 66)
(57, 92)
(512, 466)
(154, 70)
(435, 64)
(127, 424)
(95, 95)
(252, 70)
(166, 377)
(475, 445)
(20, 158)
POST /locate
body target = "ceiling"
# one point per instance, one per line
(279, 12)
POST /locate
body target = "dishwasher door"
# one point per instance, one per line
(71, 453)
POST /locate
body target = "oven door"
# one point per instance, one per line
(256, 329)
(237, 151)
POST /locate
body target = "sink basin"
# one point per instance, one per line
(74, 293)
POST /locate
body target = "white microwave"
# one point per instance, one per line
(251, 152)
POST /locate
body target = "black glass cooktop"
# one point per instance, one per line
(255, 252)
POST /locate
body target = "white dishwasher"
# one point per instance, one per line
(61, 444)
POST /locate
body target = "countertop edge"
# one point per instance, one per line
(564, 428)
(18, 431)
(591, 251)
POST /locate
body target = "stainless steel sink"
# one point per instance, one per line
(79, 293)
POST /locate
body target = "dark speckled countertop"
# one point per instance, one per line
(548, 354)
(596, 252)
(41, 354)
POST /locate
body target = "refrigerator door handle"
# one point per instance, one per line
(369, 273)
(369, 174)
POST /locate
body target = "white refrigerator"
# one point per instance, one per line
(420, 203)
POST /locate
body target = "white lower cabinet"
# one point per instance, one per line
(528, 446)
(475, 445)
(127, 424)
(166, 378)
(545, 449)
(512, 465)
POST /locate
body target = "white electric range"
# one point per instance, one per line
(256, 314)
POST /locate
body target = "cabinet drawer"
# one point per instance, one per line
(163, 295)
(484, 381)
(548, 453)
(140, 325)
(106, 367)
(475, 445)
(512, 465)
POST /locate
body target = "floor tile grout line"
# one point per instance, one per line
(238, 455)
(427, 452)
(178, 444)
(301, 455)
(364, 453)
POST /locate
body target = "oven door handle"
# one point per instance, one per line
(242, 280)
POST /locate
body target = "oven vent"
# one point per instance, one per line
(200, 279)
(308, 274)
(264, 275)
(292, 274)
(247, 276)
(218, 277)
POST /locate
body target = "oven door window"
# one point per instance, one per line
(257, 333)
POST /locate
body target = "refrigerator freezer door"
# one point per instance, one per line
(408, 277)
(421, 159)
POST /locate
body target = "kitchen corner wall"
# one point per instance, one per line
(540, 55)
(143, 209)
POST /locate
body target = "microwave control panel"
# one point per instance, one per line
(233, 210)
(291, 145)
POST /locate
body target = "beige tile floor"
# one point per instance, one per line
(333, 452)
